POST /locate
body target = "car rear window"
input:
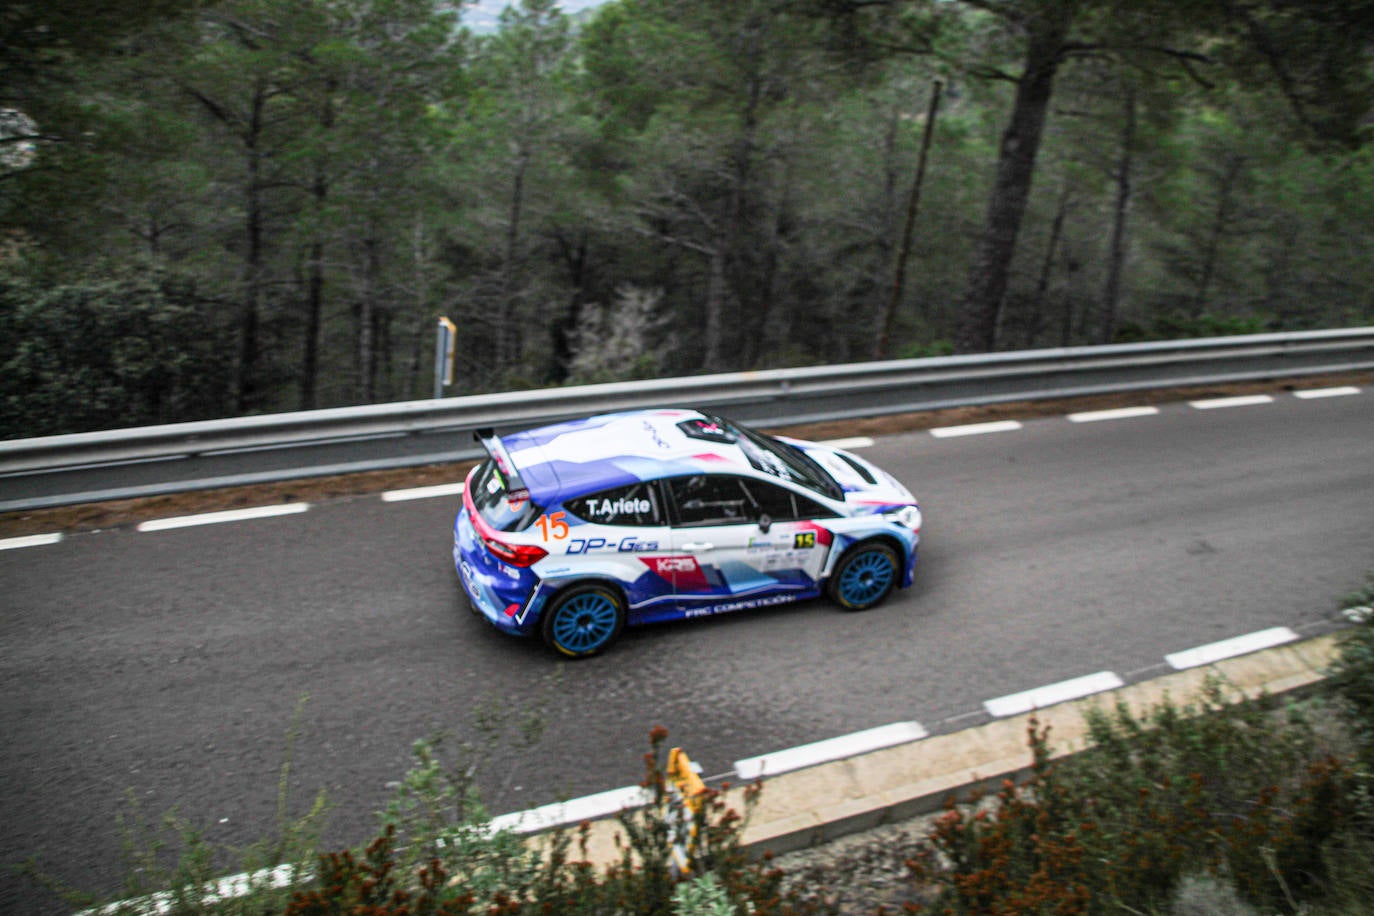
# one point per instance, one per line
(489, 495)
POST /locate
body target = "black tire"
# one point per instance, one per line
(583, 620)
(864, 577)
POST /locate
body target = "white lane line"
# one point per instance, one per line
(856, 442)
(215, 518)
(574, 811)
(1230, 648)
(1122, 413)
(30, 540)
(443, 489)
(1343, 391)
(831, 749)
(223, 890)
(1243, 401)
(974, 429)
(1049, 695)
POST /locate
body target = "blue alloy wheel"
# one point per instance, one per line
(584, 620)
(864, 577)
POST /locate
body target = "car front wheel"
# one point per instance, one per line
(864, 576)
(584, 620)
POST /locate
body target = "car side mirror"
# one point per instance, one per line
(765, 522)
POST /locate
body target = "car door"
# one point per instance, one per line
(730, 552)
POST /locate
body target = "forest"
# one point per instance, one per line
(215, 208)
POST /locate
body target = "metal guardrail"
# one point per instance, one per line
(766, 397)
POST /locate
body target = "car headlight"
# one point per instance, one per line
(907, 517)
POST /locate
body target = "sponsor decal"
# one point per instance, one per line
(602, 545)
(684, 572)
(609, 509)
(653, 434)
(669, 565)
(743, 605)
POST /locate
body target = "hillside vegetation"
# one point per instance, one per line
(238, 206)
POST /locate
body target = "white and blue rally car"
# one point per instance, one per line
(575, 530)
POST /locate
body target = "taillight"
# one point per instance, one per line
(515, 554)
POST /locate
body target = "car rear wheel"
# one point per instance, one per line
(864, 576)
(584, 620)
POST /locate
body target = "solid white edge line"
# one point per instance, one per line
(974, 429)
(443, 489)
(1309, 393)
(215, 518)
(855, 442)
(1052, 694)
(1230, 648)
(29, 540)
(1122, 413)
(1242, 401)
(806, 755)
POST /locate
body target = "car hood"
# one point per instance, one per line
(864, 483)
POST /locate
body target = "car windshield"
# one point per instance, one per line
(781, 460)
(490, 497)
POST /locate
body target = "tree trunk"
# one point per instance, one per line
(506, 339)
(1221, 224)
(314, 297)
(715, 309)
(1116, 259)
(991, 264)
(366, 358)
(246, 381)
(1042, 285)
(913, 206)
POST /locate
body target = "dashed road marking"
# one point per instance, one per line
(574, 811)
(855, 442)
(443, 489)
(1051, 694)
(839, 748)
(215, 518)
(1242, 401)
(1230, 648)
(1310, 393)
(974, 429)
(30, 540)
(1121, 413)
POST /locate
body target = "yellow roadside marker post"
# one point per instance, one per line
(684, 798)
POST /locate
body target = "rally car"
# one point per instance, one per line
(576, 530)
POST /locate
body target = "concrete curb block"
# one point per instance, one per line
(810, 806)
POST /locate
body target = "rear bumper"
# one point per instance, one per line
(484, 590)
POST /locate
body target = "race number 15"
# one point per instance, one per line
(553, 526)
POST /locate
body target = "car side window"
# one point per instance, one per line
(782, 505)
(711, 499)
(635, 505)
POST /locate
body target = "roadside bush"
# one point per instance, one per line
(675, 860)
(1238, 790)
(1351, 678)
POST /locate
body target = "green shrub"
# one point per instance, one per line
(1351, 677)
(1233, 789)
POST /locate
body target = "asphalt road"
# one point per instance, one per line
(166, 667)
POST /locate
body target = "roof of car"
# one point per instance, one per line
(610, 450)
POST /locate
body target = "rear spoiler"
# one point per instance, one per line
(516, 491)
